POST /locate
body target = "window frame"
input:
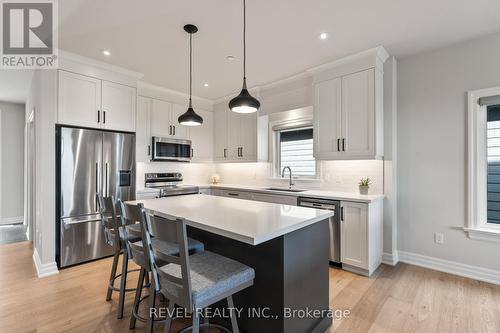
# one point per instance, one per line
(476, 225)
(275, 129)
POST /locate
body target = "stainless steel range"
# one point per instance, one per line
(169, 184)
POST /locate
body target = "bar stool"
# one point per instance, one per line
(111, 223)
(193, 282)
(133, 213)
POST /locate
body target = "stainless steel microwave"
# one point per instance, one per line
(167, 149)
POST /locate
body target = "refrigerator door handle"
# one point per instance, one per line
(96, 183)
(107, 180)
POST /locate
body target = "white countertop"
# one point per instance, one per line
(251, 222)
(322, 194)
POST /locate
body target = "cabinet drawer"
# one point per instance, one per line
(232, 194)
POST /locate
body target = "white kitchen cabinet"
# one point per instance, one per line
(275, 198)
(143, 129)
(90, 102)
(220, 135)
(358, 114)
(160, 118)
(202, 138)
(361, 236)
(328, 118)
(79, 100)
(178, 131)
(118, 107)
(349, 108)
(240, 137)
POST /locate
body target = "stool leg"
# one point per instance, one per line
(196, 322)
(138, 292)
(113, 274)
(234, 320)
(123, 282)
(170, 314)
(147, 279)
(152, 296)
(206, 323)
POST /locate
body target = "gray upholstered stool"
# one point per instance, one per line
(131, 214)
(111, 223)
(196, 281)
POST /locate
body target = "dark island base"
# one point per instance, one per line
(291, 273)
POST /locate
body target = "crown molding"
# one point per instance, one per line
(152, 90)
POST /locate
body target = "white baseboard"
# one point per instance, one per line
(12, 220)
(452, 267)
(44, 270)
(390, 258)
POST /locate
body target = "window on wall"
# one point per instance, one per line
(295, 149)
(493, 167)
(483, 165)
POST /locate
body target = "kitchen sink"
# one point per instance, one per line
(284, 189)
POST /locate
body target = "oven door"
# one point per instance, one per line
(166, 149)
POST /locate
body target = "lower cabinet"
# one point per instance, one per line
(256, 196)
(361, 236)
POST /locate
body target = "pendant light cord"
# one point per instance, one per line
(190, 67)
(244, 41)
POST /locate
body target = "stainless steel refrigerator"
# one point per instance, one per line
(90, 161)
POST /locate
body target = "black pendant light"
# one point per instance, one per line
(190, 118)
(244, 102)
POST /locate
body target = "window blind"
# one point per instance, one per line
(296, 151)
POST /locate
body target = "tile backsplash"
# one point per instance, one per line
(342, 176)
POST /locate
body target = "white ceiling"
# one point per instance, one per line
(282, 35)
(14, 85)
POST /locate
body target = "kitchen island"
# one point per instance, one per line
(287, 246)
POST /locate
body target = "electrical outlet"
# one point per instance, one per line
(438, 238)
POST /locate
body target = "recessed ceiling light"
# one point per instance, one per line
(323, 35)
(230, 57)
(106, 53)
(205, 85)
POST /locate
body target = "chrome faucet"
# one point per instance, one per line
(283, 175)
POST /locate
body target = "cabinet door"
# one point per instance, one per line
(248, 136)
(233, 135)
(179, 131)
(354, 234)
(201, 138)
(118, 106)
(160, 118)
(220, 134)
(273, 198)
(358, 113)
(79, 100)
(327, 119)
(143, 126)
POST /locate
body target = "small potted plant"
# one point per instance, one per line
(364, 185)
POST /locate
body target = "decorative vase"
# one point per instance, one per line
(363, 189)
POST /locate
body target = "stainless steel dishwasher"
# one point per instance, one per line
(334, 206)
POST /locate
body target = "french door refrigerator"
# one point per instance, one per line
(90, 161)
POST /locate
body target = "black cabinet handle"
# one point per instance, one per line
(98, 116)
(233, 194)
(192, 152)
(338, 144)
(174, 129)
(149, 150)
(225, 152)
(241, 151)
(104, 117)
(342, 213)
(343, 144)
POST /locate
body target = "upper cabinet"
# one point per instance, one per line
(240, 137)
(89, 102)
(156, 117)
(348, 109)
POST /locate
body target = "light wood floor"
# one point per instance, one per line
(396, 299)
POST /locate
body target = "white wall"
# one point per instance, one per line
(432, 148)
(42, 98)
(12, 162)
